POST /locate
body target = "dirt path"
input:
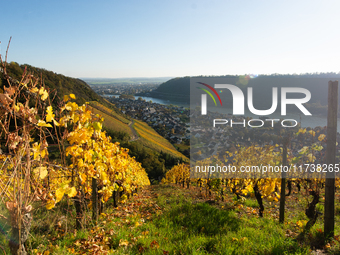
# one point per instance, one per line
(135, 135)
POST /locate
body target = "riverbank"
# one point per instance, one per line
(305, 121)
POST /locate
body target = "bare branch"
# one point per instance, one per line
(8, 49)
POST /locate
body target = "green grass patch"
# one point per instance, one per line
(166, 219)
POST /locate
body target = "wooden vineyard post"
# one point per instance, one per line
(94, 200)
(330, 158)
(283, 182)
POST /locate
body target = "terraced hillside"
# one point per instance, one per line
(112, 122)
(146, 135)
(153, 140)
(109, 111)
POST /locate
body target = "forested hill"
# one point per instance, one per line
(56, 82)
(179, 88)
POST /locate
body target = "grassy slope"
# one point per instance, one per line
(166, 219)
(109, 111)
(152, 139)
(111, 122)
(147, 135)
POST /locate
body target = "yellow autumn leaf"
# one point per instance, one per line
(123, 242)
(36, 151)
(34, 90)
(72, 96)
(83, 178)
(66, 98)
(42, 123)
(50, 204)
(41, 172)
(301, 131)
(17, 108)
(123, 197)
(43, 93)
(50, 115)
(312, 132)
(71, 250)
(321, 137)
(71, 192)
(89, 205)
(56, 123)
(44, 96)
(301, 223)
(97, 126)
(310, 157)
(59, 193)
(71, 106)
(43, 153)
(303, 150)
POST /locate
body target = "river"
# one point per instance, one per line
(306, 121)
(156, 100)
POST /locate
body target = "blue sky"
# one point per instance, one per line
(172, 37)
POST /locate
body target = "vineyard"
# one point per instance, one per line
(110, 121)
(89, 171)
(153, 140)
(93, 198)
(109, 111)
(146, 135)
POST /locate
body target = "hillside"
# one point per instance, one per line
(111, 119)
(150, 138)
(168, 219)
(149, 148)
(56, 82)
(179, 88)
(138, 131)
(153, 151)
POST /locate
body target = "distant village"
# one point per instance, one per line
(207, 140)
(173, 123)
(127, 89)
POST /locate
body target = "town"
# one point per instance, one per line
(179, 125)
(170, 121)
(207, 141)
(120, 89)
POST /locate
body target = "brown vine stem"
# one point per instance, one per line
(3, 218)
(8, 49)
(3, 250)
